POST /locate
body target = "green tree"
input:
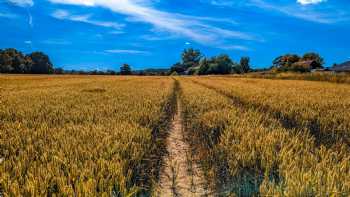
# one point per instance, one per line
(221, 64)
(13, 61)
(178, 68)
(236, 68)
(5, 62)
(190, 58)
(18, 63)
(285, 62)
(125, 69)
(41, 63)
(28, 64)
(311, 56)
(204, 66)
(224, 64)
(290, 59)
(244, 63)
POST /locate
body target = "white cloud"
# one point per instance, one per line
(60, 14)
(298, 9)
(28, 42)
(22, 3)
(7, 15)
(235, 47)
(116, 32)
(30, 20)
(208, 19)
(65, 15)
(157, 37)
(307, 2)
(191, 27)
(307, 14)
(126, 51)
(76, 2)
(187, 43)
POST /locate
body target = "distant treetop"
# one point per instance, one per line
(194, 63)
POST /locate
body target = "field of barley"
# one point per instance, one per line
(109, 136)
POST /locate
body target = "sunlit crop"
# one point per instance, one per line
(259, 137)
(83, 136)
(105, 136)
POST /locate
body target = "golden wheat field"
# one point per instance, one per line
(106, 135)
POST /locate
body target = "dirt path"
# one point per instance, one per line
(180, 175)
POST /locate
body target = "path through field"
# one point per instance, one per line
(180, 176)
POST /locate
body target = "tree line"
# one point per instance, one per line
(14, 61)
(194, 63)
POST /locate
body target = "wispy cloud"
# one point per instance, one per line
(235, 47)
(158, 36)
(301, 9)
(308, 14)
(30, 20)
(192, 27)
(116, 32)
(155, 37)
(26, 4)
(222, 3)
(208, 19)
(65, 15)
(308, 2)
(22, 3)
(7, 15)
(127, 51)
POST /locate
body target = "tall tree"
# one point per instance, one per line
(244, 63)
(191, 58)
(204, 66)
(41, 63)
(5, 62)
(125, 69)
(221, 64)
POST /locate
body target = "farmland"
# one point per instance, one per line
(108, 136)
(81, 135)
(285, 138)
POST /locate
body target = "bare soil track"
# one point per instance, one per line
(180, 175)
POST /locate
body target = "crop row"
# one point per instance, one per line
(322, 108)
(82, 136)
(246, 152)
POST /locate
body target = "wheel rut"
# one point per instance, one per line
(180, 175)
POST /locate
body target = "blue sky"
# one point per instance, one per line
(102, 34)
